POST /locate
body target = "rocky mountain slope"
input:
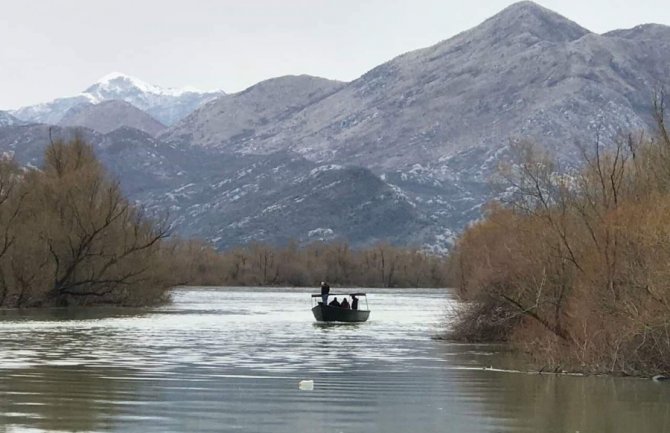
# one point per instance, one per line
(524, 73)
(233, 199)
(107, 116)
(244, 115)
(436, 121)
(166, 105)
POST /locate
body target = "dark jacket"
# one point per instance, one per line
(325, 289)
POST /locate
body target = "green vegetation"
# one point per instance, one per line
(574, 267)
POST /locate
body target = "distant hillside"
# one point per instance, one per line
(247, 114)
(234, 199)
(110, 115)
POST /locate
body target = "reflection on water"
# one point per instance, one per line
(46, 397)
(230, 360)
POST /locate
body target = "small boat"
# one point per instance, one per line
(327, 313)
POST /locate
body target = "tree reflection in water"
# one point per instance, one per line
(68, 398)
(560, 403)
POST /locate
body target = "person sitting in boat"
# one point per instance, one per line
(334, 302)
(345, 304)
(354, 302)
(325, 289)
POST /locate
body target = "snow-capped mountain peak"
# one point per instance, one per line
(118, 82)
(168, 105)
(119, 79)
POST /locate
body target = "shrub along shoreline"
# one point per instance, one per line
(573, 268)
(69, 237)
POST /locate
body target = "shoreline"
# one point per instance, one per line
(542, 371)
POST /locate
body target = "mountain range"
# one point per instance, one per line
(404, 153)
(525, 73)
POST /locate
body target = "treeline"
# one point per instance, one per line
(257, 264)
(575, 265)
(68, 236)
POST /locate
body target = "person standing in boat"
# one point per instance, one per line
(354, 302)
(325, 289)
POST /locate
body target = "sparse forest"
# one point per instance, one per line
(257, 264)
(573, 266)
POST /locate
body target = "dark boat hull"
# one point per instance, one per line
(335, 314)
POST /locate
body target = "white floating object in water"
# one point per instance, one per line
(306, 385)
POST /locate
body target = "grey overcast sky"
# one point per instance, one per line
(57, 48)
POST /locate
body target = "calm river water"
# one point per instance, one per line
(229, 360)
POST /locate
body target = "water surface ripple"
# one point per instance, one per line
(230, 360)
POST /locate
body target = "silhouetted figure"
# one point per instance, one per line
(325, 289)
(334, 302)
(354, 302)
(345, 304)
